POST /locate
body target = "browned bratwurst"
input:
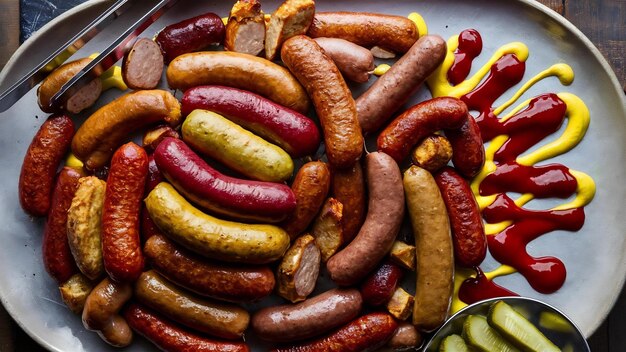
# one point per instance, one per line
(397, 85)
(355, 62)
(170, 337)
(312, 317)
(101, 312)
(226, 282)
(219, 319)
(41, 162)
(394, 33)
(331, 98)
(384, 217)
(348, 188)
(311, 186)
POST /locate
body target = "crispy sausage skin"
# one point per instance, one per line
(218, 319)
(384, 217)
(469, 154)
(57, 256)
(190, 35)
(355, 62)
(121, 245)
(310, 186)
(434, 251)
(106, 129)
(218, 193)
(295, 133)
(396, 86)
(468, 232)
(419, 121)
(212, 237)
(394, 33)
(241, 71)
(101, 312)
(169, 337)
(226, 282)
(83, 99)
(42, 158)
(331, 98)
(348, 187)
(142, 67)
(366, 333)
(379, 286)
(298, 271)
(309, 318)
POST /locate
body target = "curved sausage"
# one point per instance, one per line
(106, 129)
(469, 153)
(189, 35)
(295, 133)
(226, 282)
(101, 312)
(218, 193)
(142, 67)
(41, 161)
(81, 100)
(121, 245)
(468, 232)
(366, 333)
(239, 149)
(433, 245)
(394, 33)
(222, 320)
(348, 187)
(419, 121)
(396, 86)
(384, 217)
(331, 98)
(241, 71)
(310, 187)
(169, 337)
(355, 62)
(57, 256)
(309, 318)
(212, 237)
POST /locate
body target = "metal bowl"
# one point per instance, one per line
(562, 331)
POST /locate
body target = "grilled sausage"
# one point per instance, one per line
(469, 154)
(51, 85)
(355, 62)
(101, 312)
(379, 286)
(190, 35)
(348, 187)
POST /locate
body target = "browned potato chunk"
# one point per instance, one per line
(292, 18)
(433, 153)
(74, 292)
(403, 255)
(401, 304)
(327, 228)
(298, 271)
(245, 30)
(84, 226)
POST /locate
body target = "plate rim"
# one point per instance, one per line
(534, 4)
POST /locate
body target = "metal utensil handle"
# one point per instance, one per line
(37, 74)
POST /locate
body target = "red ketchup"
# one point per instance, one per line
(543, 116)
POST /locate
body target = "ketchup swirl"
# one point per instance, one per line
(543, 116)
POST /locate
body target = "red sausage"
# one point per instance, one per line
(224, 195)
(148, 228)
(57, 257)
(292, 131)
(40, 164)
(468, 232)
(419, 121)
(190, 35)
(366, 333)
(378, 288)
(226, 282)
(169, 337)
(381, 226)
(468, 154)
(121, 246)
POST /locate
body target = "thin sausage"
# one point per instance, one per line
(355, 62)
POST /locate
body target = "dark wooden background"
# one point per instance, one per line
(603, 21)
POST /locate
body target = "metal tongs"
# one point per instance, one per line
(107, 57)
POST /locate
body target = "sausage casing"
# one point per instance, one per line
(355, 62)
(331, 98)
(189, 35)
(469, 154)
(348, 187)
(381, 226)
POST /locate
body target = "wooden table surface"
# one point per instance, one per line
(603, 21)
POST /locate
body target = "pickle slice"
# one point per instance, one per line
(453, 343)
(478, 334)
(517, 329)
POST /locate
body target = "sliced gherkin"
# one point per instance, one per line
(479, 335)
(453, 343)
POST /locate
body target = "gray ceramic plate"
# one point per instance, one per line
(595, 256)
